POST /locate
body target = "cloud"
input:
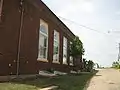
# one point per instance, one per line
(81, 6)
(117, 13)
(87, 7)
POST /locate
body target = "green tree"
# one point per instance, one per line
(98, 65)
(90, 65)
(76, 47)
(76, 51)
(85, 62)
(116, 64)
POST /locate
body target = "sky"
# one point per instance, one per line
(101, 15)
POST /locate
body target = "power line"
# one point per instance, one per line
(89, 28)
(80, 25)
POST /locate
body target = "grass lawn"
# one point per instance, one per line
(67, 82)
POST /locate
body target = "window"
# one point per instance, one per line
(43, 40)
(1, 4)
(71, 58)
(64, 50)
(56, 47)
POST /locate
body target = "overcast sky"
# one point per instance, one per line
(101, 15)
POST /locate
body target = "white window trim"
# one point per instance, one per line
(58, 47)
(46, 35)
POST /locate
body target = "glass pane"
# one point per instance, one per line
(56, 46)
(45, 52)
(64, 55)
(56, 35)
(64, 59)
(56, 53)
(65, 42)
(56, 49)
(43, 46)
(43, 29)
(42, 52)
(64, 50)
(43, 40)
(55, 43)
(71, 60)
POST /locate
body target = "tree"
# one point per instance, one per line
(76, 47)
(98, 65)
(85, 62)
(90, 65)
(76, 51)
(116, 65)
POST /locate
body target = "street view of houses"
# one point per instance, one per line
(59, 45)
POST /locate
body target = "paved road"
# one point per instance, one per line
(105, 79)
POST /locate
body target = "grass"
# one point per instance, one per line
(67, 82)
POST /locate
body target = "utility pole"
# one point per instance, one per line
(20, 35)
(119, 53)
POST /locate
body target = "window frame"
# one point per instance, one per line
(58, 44)
(42, 22)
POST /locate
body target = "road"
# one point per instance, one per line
(105, 79)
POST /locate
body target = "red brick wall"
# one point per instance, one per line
(9, 36)
(9, 27)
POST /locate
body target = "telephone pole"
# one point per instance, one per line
(119, 53)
